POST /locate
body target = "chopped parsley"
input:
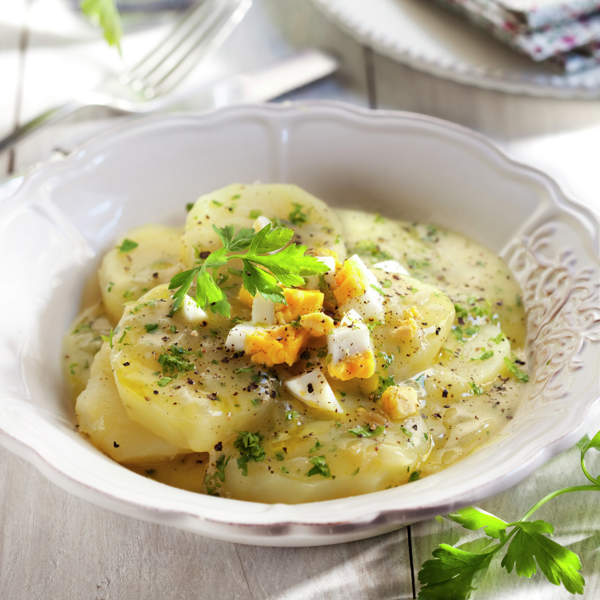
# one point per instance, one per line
(172, 361)
(297, 216)
(164, 381)
(414, 476)
(514, 370)
(476, 389)
(254, 214)
(366, 432)
(189, 206)
(150, 327)
(127, 245)
(485, 355)
(250, 449)
(319, 467)
(371, 250)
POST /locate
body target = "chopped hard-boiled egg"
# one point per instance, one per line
(268, 345)
(260, 223)
(314, 390)
(236, 338)
(192, 312)
(399, 402)
(263, 310)
(312, 282)
(391, 266)
(355, 287)
(317, 323)
(350, 348)
(298, 302)
(407, 330)
(275, 345)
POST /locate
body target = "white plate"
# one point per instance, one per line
(430, 38)
(65, 215)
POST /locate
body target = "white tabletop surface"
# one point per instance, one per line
(55, 546)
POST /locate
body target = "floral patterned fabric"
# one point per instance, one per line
(572, 41)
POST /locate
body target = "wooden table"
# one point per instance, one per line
(55, 546)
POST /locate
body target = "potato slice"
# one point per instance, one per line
(101, 416)
(356, 465)
(81, 344)
(316, 225)
(470, 366)
(185, 472)
(178, 380)
(125, 276)
(418, 319)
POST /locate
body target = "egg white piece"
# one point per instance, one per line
(260, 223)
(236, 338)
(263, 310)
(351, 337)
(391, 266)
(314, 390)
(192, 312)
(370, 304)
(312, 282)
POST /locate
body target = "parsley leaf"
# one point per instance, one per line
(529, 545)
(452, 573)
(297, 216)
(366, 432)
(250, 448)
(172, 361)
(320, 467)
(127, 245)
(511, 365)
(105, 14)
(269, 260)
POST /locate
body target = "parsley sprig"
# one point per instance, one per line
(268, 260)
(454, 571)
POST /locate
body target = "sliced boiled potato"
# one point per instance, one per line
(316, 225)
(125, 276)
(341, 463)
(81, 344)
(185, 472)
(375, 239)
(103, 419)
(471, 366)
(418, 320)
(178, 380)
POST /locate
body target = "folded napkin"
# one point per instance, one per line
(567, 33)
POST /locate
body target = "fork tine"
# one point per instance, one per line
(204, 45)
(165, 46)
(201, 30)
(181, 30)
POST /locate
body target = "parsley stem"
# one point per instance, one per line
(590, 477)
(550, 496)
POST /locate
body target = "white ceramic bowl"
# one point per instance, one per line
(64, 216)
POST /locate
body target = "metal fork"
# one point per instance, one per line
(145, 86)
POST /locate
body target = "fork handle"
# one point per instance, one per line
(48, 117)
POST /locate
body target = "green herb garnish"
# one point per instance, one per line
(268, 259)
(297, 216)
(172, 361)
(366, 432)
(511, 365)
(454, 571)
(250, 448)
(150, 327)
(320, 467)
(127, 245)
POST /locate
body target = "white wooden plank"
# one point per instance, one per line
(54, 545)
